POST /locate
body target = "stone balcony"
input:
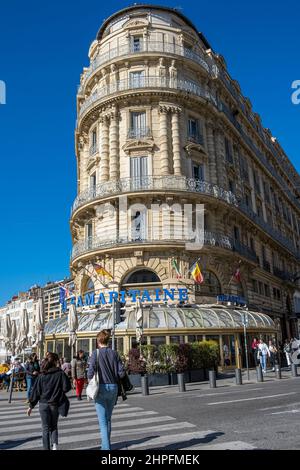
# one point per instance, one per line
(150, 82)
(152, 183)
(148, 47)
(212, 239)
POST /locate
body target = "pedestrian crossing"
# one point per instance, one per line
(133, 428)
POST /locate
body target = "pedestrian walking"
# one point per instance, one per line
(273, 354)
(108, 365)
(79, 372)
(67, 368)
(263, 353)
(287, 349)
(32, 369)
(49, 391)
(254, 349)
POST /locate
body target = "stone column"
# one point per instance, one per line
(211, 153)
(114, 146)
(104, 162)
(163, 127)
(176, 142)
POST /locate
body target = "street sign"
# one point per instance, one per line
(245, 319)
(28, 350)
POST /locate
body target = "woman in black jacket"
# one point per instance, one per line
(49, 390)
(32, 369)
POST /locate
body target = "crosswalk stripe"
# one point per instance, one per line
(95, 427)
(172, 439)
(81, 412)
(24, 407)
(71, 422)
(125, 432)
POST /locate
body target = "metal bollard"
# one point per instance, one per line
(238, 377)
(278, 371)
(145, 385)
(212, 379)
(259, 374)
(294, 370)
(181, 382)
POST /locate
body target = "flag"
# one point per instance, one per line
(237, 275)
(175, 266)
(62, 295)
(101, 271)
(196, 273)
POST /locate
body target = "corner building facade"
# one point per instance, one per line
(161, 122)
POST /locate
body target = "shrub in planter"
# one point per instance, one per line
(205, 355)
(136, 362)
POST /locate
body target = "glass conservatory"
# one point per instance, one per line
(165, 324)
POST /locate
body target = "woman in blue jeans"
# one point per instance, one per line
(110, 370)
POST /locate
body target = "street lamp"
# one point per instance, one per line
(245, 323)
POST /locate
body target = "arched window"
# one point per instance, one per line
(210, 287)
(142, 276)
(88, 286)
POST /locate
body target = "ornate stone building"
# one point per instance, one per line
(161, 122)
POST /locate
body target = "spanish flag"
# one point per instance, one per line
(196, 273)
(101, 271)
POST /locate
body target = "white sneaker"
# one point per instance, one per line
(54, 447)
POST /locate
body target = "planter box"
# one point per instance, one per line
(197, 375)
(135, 379)
(156, 380)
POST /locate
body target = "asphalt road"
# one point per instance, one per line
(251, 416)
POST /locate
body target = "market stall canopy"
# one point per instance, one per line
(169, 318)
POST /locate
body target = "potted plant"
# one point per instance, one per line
(136, 366)
(155, 368)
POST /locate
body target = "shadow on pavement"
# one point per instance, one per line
(17, 442)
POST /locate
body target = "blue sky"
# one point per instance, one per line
(43, 47)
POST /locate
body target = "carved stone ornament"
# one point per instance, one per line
(192, 148)
(138, 144)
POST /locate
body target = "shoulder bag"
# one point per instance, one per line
(93, 387)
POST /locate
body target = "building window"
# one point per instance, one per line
(136, 79)
(228, 151)
(93, 181)
(93, 147)
(210, 287)
(89, 234)
(231, 186)
(236, 233)
(254, 285)
(136, 43)
(138, 127)
(198, 171)
(194, 133)
(267, 291)
(138, 167)
(260, 288)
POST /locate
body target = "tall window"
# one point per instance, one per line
(89, 234)
(138, 226)
(198, 171)
(137, 79)
(136, 43)
(93, 147)
(93, 181)
(228, 151)
(194, 133)
(137, 125)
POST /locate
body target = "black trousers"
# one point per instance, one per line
(49, 417)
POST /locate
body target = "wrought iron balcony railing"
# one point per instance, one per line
(196, 138)
(209, 239)
(144, 47)
(128, 84)
(153, 183)
(138, 132)
(284, 275)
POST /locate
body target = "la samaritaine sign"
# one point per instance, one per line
(157, 295)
